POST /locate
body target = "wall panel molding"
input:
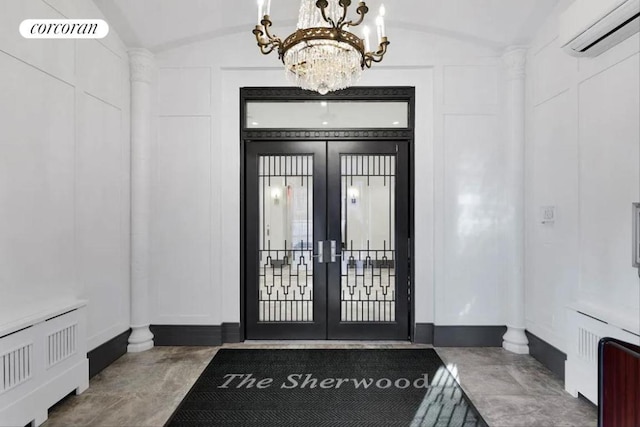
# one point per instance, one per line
(181, 228)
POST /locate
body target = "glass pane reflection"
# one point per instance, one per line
(368, 285)
(286, 235)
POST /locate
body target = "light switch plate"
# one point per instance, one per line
(548, 214)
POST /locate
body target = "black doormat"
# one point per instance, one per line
(387, 387)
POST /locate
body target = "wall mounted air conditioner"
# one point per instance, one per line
(590, 27)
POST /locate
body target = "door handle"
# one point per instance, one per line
(320, 253)
(333, 251)
(327, 246)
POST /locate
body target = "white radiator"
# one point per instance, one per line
(43, 357)
(585, 331)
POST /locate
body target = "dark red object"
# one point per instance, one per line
(618, 384)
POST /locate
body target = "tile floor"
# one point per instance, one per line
(143, 389)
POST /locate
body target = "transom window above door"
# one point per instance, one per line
(328, 114)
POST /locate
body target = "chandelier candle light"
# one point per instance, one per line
(323, 54)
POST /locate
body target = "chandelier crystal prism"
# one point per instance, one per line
(323, 54)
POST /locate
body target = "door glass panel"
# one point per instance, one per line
(327, 115)
(286, 236)
(368, 285)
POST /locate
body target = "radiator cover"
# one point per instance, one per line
(581, 367)
(43, 357)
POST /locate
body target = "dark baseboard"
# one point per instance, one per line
(459, 336)
(468, 336)
(230, 333)
(196, 335)
(552, 358)
(423, 333)
(107, 353)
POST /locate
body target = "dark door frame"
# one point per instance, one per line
(362, 93)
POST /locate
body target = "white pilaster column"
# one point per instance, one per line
(141, 65)
(514, 60)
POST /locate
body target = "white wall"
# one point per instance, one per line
(64, 169)
(64, 175)
(460, 214)
(583, 156)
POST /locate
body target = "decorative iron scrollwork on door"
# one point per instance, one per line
(286, 236)
(368, 286)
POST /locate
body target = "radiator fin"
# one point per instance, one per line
(61, 345)
(15, 367)
(588, 345)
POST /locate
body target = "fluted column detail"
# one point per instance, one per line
(514, 59)
(141, 70)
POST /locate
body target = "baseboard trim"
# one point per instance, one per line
(230, 333)
(552, 358)
(195, 335)
(459, 336)
(107, 353)
(468, 336)
(423, 333)
(184, 335)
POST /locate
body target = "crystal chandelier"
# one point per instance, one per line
(323, 54)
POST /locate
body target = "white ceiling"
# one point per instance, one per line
(162, 24)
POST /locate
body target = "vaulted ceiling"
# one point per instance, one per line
(162, 24)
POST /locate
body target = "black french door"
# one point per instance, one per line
(326, 240)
